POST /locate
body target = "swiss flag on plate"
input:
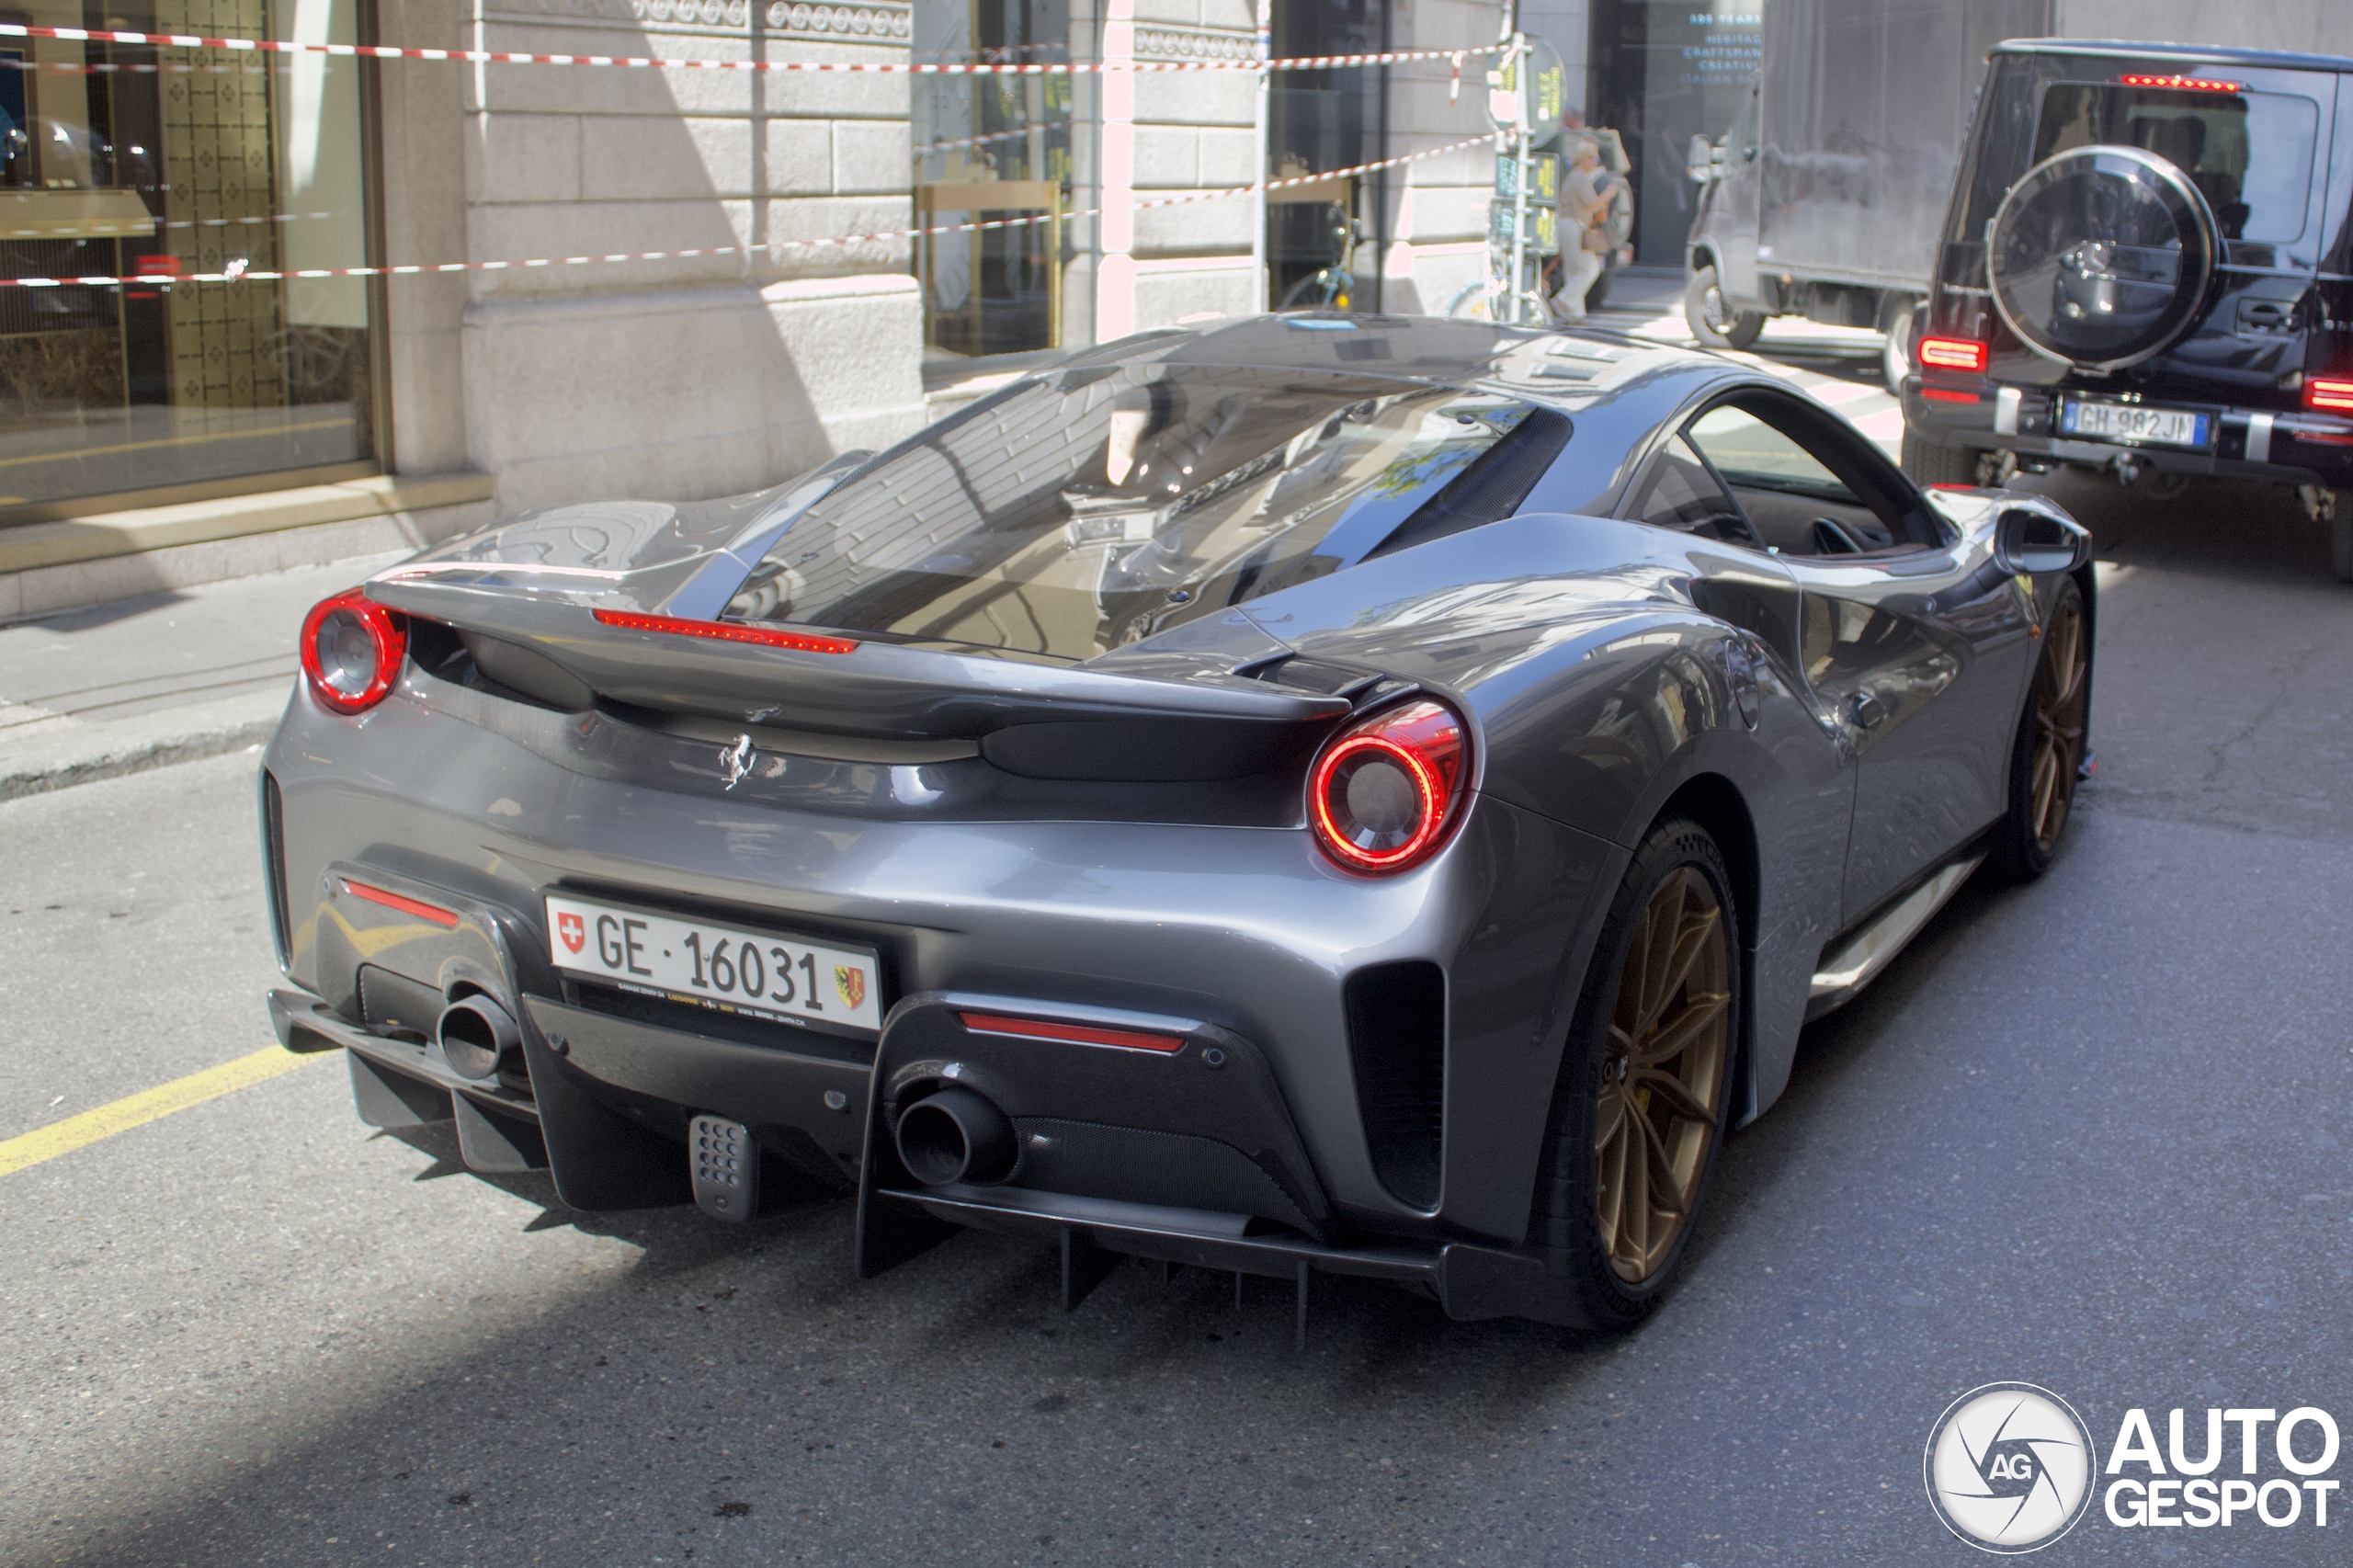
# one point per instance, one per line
(573, 933)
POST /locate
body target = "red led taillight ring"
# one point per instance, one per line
(1428, 743)
(1426, 786)
(387, 632)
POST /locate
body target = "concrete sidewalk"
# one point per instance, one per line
(117, 687)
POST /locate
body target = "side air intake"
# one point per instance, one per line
(1397, 1045)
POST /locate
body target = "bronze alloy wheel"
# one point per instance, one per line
(2061, 686)
(1659, 1100)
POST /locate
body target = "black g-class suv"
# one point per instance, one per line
(2147, 266)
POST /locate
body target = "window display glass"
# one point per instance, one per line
(989, 149)
(1663, 74)
(158, 166)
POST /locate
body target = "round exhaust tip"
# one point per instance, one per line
(955, 1135)
(476, 1035)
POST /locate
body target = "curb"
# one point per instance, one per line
(91, 753)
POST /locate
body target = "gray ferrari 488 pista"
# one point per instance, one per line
(1359, 795)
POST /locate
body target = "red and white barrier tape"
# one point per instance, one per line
(240, 275)
(500, 57)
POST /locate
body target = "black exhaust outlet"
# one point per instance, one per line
(476, 1035)
(955, 1135)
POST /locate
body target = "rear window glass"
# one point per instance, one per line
(1076, 513)
(2249, 154)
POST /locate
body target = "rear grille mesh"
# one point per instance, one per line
(1397, 1045)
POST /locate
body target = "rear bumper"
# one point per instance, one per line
(2264, 445)
(604, 1102)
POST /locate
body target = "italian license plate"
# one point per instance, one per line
(2131, 422)
(703, 962)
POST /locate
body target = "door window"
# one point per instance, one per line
(1683, 496)
(1802, 490)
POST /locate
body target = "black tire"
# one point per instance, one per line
(2057, 705)
(1711, 321)
(2340, 548)
(1567, 1218)
(1936, 462)
(1895, 354)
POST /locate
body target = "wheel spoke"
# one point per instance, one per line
(1608, 1118)
(1669, 1194)
(2046, 784)
(1688, 949)
(1659, 951)
(1635, 1207)
(1673, 1038)
(1670, 1090)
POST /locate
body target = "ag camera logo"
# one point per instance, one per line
(2009, 1468)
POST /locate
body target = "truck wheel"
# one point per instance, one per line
(2340, 547)
(1712, 320)
(1895, 354)
(1936, 462)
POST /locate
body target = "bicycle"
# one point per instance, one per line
(1333, 287)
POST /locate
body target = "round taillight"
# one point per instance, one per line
(1384, 793)
(352, 649)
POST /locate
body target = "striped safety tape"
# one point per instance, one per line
(502, 57)
(240, 275)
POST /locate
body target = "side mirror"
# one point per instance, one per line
(1701, 160)
(2035, 542)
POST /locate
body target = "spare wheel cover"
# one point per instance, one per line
(2101, 256)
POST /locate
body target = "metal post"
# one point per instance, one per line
(1519, 177)
(1263, 126)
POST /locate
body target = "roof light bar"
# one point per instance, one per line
(2188, 83)
(1075, 1034)
(2329, 392)
(727, 631)
(1953, 353)
(394, 901)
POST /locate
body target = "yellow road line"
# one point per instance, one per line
(148, 1104)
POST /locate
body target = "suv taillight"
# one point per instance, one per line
(2331, 392)
(352, 649)
(1386, 792)
(1952, 353)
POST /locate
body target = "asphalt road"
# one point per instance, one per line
(2090, 1133)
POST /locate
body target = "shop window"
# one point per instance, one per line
(158, 166)
(990, 149)
(1317, 121)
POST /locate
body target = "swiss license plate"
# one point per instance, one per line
(2131, 422)
(726, 966)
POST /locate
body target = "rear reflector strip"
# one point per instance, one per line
(394, 901)
(1076, 1034)
(727, 631)
(1942, 394)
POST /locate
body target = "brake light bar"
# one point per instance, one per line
(2188, 83)
(727, 631)
(394, 901)
(2329, 392)
(1075, 1034)
(1953, 353)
